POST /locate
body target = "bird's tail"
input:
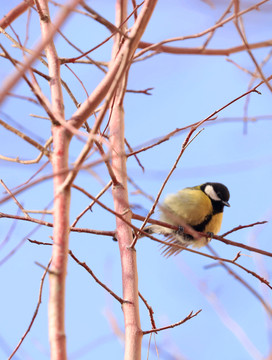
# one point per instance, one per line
(175, 246)
(170, 237)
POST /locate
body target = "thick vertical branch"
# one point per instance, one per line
(61, 140)
(118, 68)
(133, 332)
(60, 247)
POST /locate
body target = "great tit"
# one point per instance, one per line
(200, 207)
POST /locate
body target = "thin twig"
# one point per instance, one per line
(189, 317)
(190, 231)
(91, 61)
(174, 50)
(89, 207)
(240, 245)
(110, 26)
(35, 312)
(136, 157)
(28, 139)
(14, 198)
(16, 76)
(9, 233)
(243, 282)
(220, 19)
(86, 267)
(241, 31)
(145, 91)
(184, 146)
(49, 224)
(106, 40)
(151, 312)
(240, 227)
(107, 163)
(266, 282)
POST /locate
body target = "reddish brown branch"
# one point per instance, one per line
(136, 157)
(243, 282)
(160, 47)
(189, 317)
(89, 207)
(16, 76)
(80, 81)
(220, 19)
(165, 138)
(184, 145)
(14, 198)
(16, 248)
(145, 91)
(107, 163)
(28, 139)
(266, 282)
(86, 267)
(49, 224)
(200, 50)
(150, 310)
(240, 245)
(190, 231)
(117, 31)
(110, 26)
(118, 67)
(35, 312)
(15, 13)
(240, 227)
(241, 31)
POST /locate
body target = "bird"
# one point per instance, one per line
(201, 207)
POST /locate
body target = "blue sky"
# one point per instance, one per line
(187, 89)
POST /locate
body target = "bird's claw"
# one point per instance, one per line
(180, 230)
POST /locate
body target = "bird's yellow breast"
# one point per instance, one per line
(190, 205)
(215, 224)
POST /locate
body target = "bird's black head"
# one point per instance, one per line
(218, 193)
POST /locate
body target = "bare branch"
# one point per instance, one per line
(184, 145)
(15, 77)
(151, 312)
(189, 317)
(35, 312)
(15, 13)
(241, 31)
(240, 227)
(159, 47)
(14, 198)
(92, 203)
(28, 139)
(118, 68)
(86, 267)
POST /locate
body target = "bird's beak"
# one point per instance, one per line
(226, 203)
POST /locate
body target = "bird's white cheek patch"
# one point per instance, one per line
(209, 190)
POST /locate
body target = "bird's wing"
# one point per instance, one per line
(190, 205)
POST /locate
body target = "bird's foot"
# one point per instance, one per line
(210, 235)
(180, 230)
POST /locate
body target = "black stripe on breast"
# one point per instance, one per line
(201, 227)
